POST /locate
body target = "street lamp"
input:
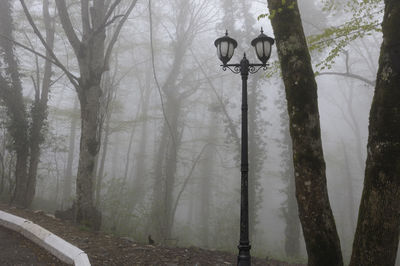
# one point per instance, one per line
(225, 49)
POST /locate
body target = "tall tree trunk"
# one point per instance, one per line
(165, 171)
(39, 110)
(321, 237)
(11, 94)
(93, 56)
(377, 234)
(67, 183)
(89, 146)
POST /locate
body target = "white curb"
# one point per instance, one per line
(47, 240)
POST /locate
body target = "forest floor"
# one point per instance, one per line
(105, 249)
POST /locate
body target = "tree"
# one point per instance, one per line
(289, 207)
(27, 130)
(93, 51)
(377, 234)
(188, 20)
(319, 229)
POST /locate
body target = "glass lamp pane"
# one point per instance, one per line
(267, 49)
(219, 51)
(259, 49)
(224, 49)
(230, 50)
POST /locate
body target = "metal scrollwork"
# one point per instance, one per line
(254, 69)
(236, 69)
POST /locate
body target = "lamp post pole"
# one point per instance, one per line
(225, 49)
(244, 243)
(244, 69)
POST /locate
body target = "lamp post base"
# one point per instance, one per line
(244, 258)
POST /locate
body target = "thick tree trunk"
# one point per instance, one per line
(322, 241)
(377, 234)
(93, 56)
(89, 148)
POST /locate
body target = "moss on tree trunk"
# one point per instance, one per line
(377, 233)
(322, 241)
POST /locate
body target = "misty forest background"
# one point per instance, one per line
(169, 120)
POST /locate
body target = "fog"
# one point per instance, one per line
(169, 158)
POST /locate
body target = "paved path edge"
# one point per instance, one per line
(57, 246)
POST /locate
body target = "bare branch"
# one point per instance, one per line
(54, 59)
(37, 82)
(188, 178)
(350, 75)
(85, 17)
(36, 88)
(49, 28)
(231, 125)
(116, 33)
(111, 10)
(62, 67)
(67, 26)
(155, 76)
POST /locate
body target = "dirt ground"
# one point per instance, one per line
(104, 249)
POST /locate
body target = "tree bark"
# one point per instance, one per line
(11, 94)
(377, 234)
(321, 237)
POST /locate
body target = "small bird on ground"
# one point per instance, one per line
(151, 241)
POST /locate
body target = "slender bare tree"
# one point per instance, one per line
(26, 129)
(93, 51)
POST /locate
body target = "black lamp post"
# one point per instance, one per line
(225, 49)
